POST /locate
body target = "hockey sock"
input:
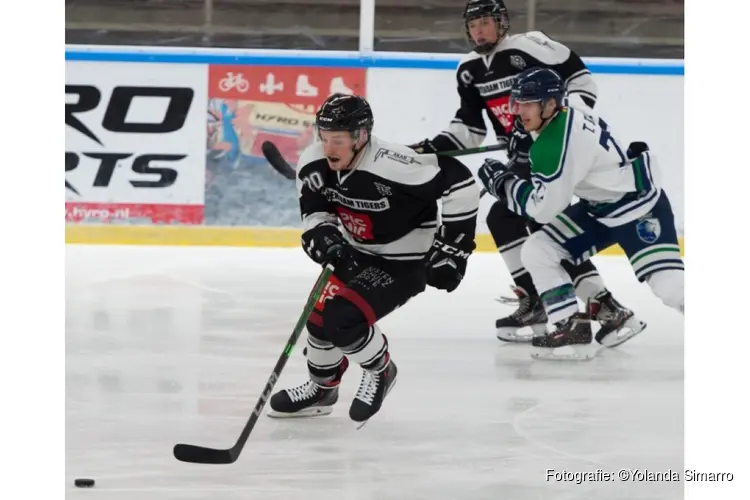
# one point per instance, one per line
(369, 351)
(323, 360)
(586, 279)
(511, 254)
(560, 303)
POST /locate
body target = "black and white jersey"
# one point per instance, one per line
(387, 205)
(484, 83)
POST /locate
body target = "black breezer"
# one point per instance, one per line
(365, 290)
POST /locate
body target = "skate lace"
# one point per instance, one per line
(368, 387)
(302, 392)
(610, 310)
(509, 300)
(524, 306)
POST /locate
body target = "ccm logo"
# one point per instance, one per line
(447, 249)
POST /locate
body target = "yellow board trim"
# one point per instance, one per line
(229, 236)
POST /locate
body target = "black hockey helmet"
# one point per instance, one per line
(496, 9)
(345, 112)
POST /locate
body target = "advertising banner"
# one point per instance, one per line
(134, 143)
(249, 105)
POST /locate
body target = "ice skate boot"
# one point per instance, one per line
(618, 323)
(374, 387)
(530, 313)
(571, 340)
(309, 399)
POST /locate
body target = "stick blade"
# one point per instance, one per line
(200, 455)
(272, 154)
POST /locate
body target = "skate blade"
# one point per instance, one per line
(359, 425)
(630, 329)
(579, 352)
(317, 411)
(510, 334)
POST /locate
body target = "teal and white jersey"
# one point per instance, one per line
(577, 155)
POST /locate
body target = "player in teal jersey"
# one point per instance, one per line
(575, 154)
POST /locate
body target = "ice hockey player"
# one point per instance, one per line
(389, 247)
(484, 78)
(575, 153)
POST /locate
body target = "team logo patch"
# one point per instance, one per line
(517, 61)
(648, 230)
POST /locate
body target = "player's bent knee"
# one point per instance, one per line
(669, 286)
(539, 250)
(344, 323)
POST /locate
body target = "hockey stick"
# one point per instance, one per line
(200, 455)
(274, 158)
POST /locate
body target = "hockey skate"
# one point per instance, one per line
(307, 400)
(618, 323)
(373, 388)
(530, 313)
(571, 340)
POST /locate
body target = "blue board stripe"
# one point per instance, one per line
(347, 60)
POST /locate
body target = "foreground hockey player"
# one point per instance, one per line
(484, 79)
(389, 248)
(576, 154)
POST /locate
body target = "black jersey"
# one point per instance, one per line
(484, 83)
(387, 205)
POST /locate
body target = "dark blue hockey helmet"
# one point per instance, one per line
(477, 9)
(537, 85)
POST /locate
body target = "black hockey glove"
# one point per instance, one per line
(446, 260)
(324, 243)
(493, 174)
(424, 147)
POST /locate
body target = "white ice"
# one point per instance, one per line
(168, 345)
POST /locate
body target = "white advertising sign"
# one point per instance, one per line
(135, 141)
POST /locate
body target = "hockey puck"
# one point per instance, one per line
(84, 483)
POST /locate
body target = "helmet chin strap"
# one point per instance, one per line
(545, 120)
(356, 151)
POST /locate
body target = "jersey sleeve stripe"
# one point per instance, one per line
(459, 186)
(460, 216)
(576, 75)
(583, 92)
(453, 139)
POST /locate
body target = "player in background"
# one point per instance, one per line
(371, 208)
(576, 154)
(485, 77)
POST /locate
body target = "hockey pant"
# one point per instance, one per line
(649, 242)
(510, 231)
(354, 299)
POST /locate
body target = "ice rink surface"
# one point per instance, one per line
(168, 345)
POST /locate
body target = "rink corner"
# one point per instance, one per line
(220, 236)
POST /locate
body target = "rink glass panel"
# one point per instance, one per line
(594, 28)
(603, 28)
(276, 24)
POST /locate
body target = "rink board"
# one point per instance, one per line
(220, 236)
(184, 127)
